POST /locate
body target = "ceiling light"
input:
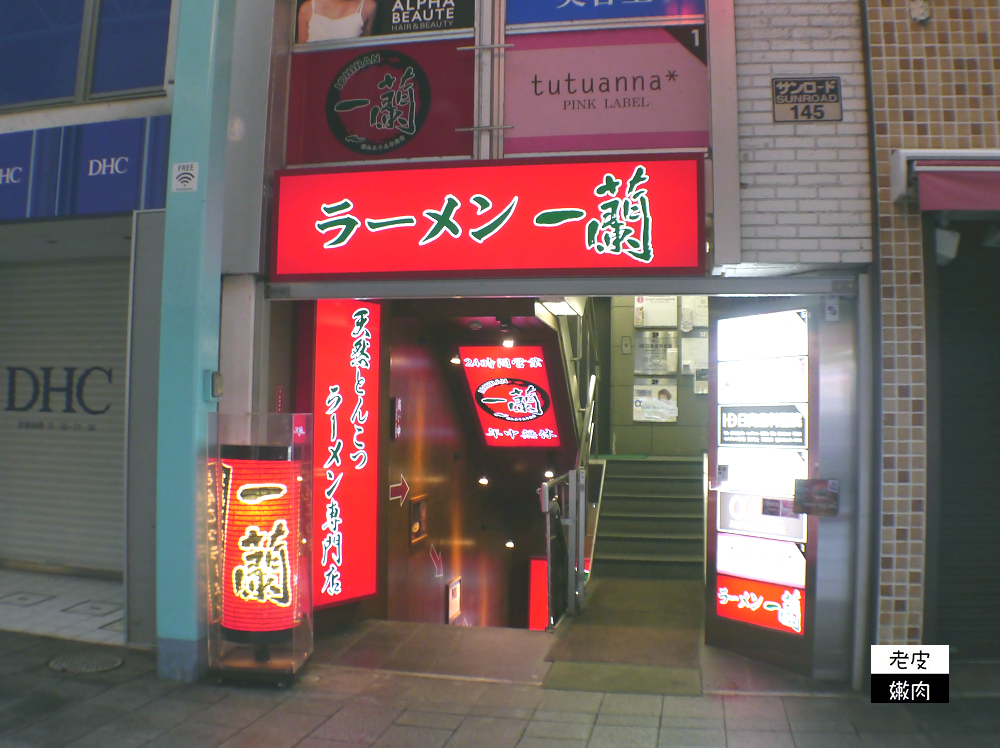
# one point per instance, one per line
(508, 343)
(484, 481)
(509, 543)
(456, 360)
(549, 474)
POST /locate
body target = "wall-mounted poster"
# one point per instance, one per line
(339, 20)
(694, 351)
(655, 311)
(418, 519)
(403, 101)
(694, 312)
(604, 90)
(655, 352)
(654, 400)
(557, 11)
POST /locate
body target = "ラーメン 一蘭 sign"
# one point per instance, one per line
(499, 219)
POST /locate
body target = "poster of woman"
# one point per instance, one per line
(332, 20)
(325, 20)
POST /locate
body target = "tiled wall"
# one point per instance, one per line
(935, 86)
(806, 194)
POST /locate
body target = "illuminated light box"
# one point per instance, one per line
(261, 521)
(774, 335)
(538, 594)
(762, 559)
(510, 387)
(346, 450)
(771, 606)
(258, 522)
(501, 219)
(760, 516)
(772, 380)
(767, 471)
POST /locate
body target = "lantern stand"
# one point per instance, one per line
(258, 533)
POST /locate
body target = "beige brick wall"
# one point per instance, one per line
(935, 86)
(806, 194)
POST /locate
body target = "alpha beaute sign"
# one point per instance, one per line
(499, 219)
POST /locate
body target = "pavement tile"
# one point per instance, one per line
(823, 725)
(166, 712)
(561, 730)
(756, 739)
(275, 730)
(693, 723)
(128, 732)
(706, 707)
(324, 706)
(403, 736)
(551, 743)
(818, 709)
(358, 723)
(638, 705)
(193, 735)
(67, 725)
(675, 736)
(882, 740)
(511, 712)
(608, 736)
(488, 732)
(238, 711)
(580, 717)
(439, 720)
(442, 707)
(517, 697)
(570, 701)
(627, 720)
(320, 743)
(761, 708)
(826, 740)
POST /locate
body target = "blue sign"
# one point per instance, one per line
(553, 11)
(15, 169)
(105, 167)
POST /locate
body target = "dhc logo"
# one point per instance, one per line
(100, 167)
(11, 175)
(41, 389)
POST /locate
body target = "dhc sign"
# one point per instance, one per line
(100, 167)
(38, 388)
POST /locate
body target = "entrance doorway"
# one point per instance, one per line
(461, 526)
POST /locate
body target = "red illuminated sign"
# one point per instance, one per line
(538, 594)
(260, 566)
(510, 387)
(502, 219)
(345, 458)
(760, 603)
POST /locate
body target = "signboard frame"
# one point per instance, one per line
(636, 268)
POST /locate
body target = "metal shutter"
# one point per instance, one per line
(62, 473)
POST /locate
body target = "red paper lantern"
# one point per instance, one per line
(260, 542)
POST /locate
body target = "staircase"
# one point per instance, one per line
(652, 522)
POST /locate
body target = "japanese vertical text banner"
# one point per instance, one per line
(346, 442)
(521, 219)
(510, 387)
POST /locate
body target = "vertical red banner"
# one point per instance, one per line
(345, 459)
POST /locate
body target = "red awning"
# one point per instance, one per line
(959, 185)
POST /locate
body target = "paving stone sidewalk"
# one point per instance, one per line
(337, 707)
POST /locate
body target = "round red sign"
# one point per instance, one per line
(512, 399)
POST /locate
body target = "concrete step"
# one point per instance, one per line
(632, 505)
(656, 467)
(654, 485)
(690, 523)
(650, 544)
(648, 566)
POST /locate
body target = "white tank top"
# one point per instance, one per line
(348, 27)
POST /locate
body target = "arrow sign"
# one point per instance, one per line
(437, 561)
(399, 491)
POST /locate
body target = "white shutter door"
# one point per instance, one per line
(62, 452)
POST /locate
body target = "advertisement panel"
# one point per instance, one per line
(338, 20)
(556, 11)
(760, 516)
(15, 173)
(762, 559)
(346, 450)
(605, 90)
(510, 387)
(495, 219)
(763, 425)
(761, 604)
(405, 101)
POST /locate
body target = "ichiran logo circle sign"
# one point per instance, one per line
(378, 102)
(512, 399)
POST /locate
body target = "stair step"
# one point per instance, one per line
(611, 513)
(652, 535)
(637, 495)
(656, 558)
